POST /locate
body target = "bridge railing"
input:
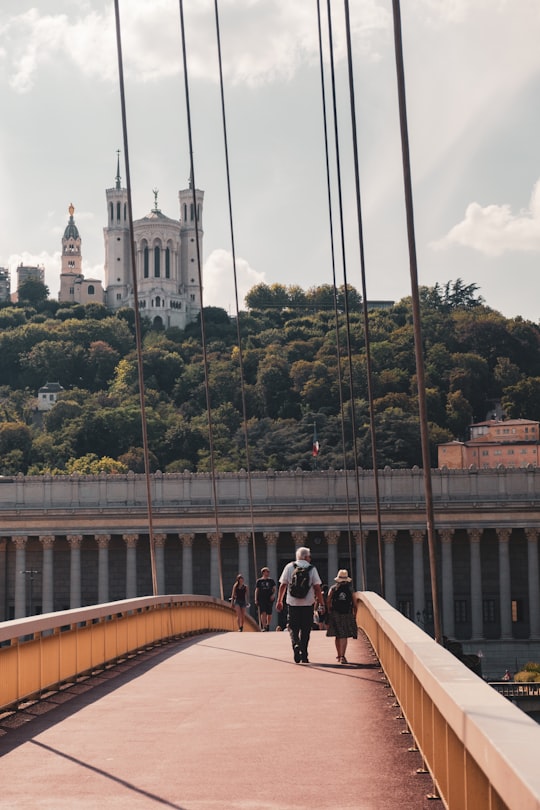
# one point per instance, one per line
(40, 653)
(481, 751)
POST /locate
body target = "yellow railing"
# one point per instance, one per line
(481, 751)
(40, 653)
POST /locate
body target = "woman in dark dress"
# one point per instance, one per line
(341, 606)
(239, 600)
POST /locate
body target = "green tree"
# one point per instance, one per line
(32, 292)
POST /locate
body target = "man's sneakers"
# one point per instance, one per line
(297, 654)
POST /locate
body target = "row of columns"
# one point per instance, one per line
(131, 540)
(447, 594)
(300, 538)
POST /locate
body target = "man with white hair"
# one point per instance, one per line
(301, 580)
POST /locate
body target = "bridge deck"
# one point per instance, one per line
(217, 722)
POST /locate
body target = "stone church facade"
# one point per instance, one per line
(168, 253)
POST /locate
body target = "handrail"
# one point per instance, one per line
(40, 653)
(481, 750)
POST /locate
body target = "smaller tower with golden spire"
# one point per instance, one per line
(71, 259)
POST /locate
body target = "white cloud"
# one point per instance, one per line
(494, 229)
(219, 281)
(261, 41)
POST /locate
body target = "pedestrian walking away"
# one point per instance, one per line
(341, 605)
(239, 600)
(265, 593)
(301, 583)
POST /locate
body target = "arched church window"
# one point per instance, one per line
(118, 211)
(185, 212)
(145, 261)
(167, 263)
(125, 211)
(111, 212)
(192, 212)
(158, 301)
(157, 256)
(91, 289)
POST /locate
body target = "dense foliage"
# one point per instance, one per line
(474, 358)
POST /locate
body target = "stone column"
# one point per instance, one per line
(418, 577)
(47, 582)
(271, 539)
(332, 538)
(187, 561)
(215, 540)
(159, 547)
(504, 582)
(446, 536)
(360, 541)
(299, 539)
(75, 543)
(131, 564)
(477, 612)
(534, 584)
(242, 538)
(390, 593)
(103, 541)
(3, 578)
(20, 576)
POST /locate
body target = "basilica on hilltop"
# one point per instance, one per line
(166, 260)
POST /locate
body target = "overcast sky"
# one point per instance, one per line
(472, 70)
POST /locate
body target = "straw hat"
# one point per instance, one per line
(342, 576)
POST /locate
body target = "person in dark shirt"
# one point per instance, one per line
(239, 600)
(265, 593)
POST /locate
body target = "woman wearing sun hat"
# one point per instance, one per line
(341, 605)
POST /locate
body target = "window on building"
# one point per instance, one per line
(167, 263)
(157, 259)
(111, 212)
(485, 452)
(118, 211)
(517, 610)
(510, 452)
(91, 289)
(192, 212)
(488, 610)
(145, 262)
(461, 613)
(192, 297)
(72, 290)
(118, 296)
(125, 211)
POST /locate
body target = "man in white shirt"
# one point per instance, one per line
(300, 608)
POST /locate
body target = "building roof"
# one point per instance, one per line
(50, 388)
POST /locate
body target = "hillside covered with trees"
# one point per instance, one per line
(474, 358)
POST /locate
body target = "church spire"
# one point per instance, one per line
(118, 178)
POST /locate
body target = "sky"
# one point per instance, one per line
(472, 72)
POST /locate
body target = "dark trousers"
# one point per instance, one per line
(300, 621)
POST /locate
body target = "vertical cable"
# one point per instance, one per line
(346, 295)
(136, 305)
(203, 329)
(365, 312)
(334, 285)
(415, 298)
(233, 253)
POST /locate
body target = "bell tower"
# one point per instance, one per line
(71, 259)
(117, 247)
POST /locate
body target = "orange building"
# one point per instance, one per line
(512, 443)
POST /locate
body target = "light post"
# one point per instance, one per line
(30, 572)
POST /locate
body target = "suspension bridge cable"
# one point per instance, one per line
(334, 297)
(235, 276)
(365, 312)
(136, 306)
(346, 293)
(413, 266)
(203, 328)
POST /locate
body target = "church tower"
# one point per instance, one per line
(191, 226)
(117, 248)
(71, 259)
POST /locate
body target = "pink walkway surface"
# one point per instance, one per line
(217, 722)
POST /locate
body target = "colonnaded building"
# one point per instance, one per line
(70, 541)
(167, 255)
